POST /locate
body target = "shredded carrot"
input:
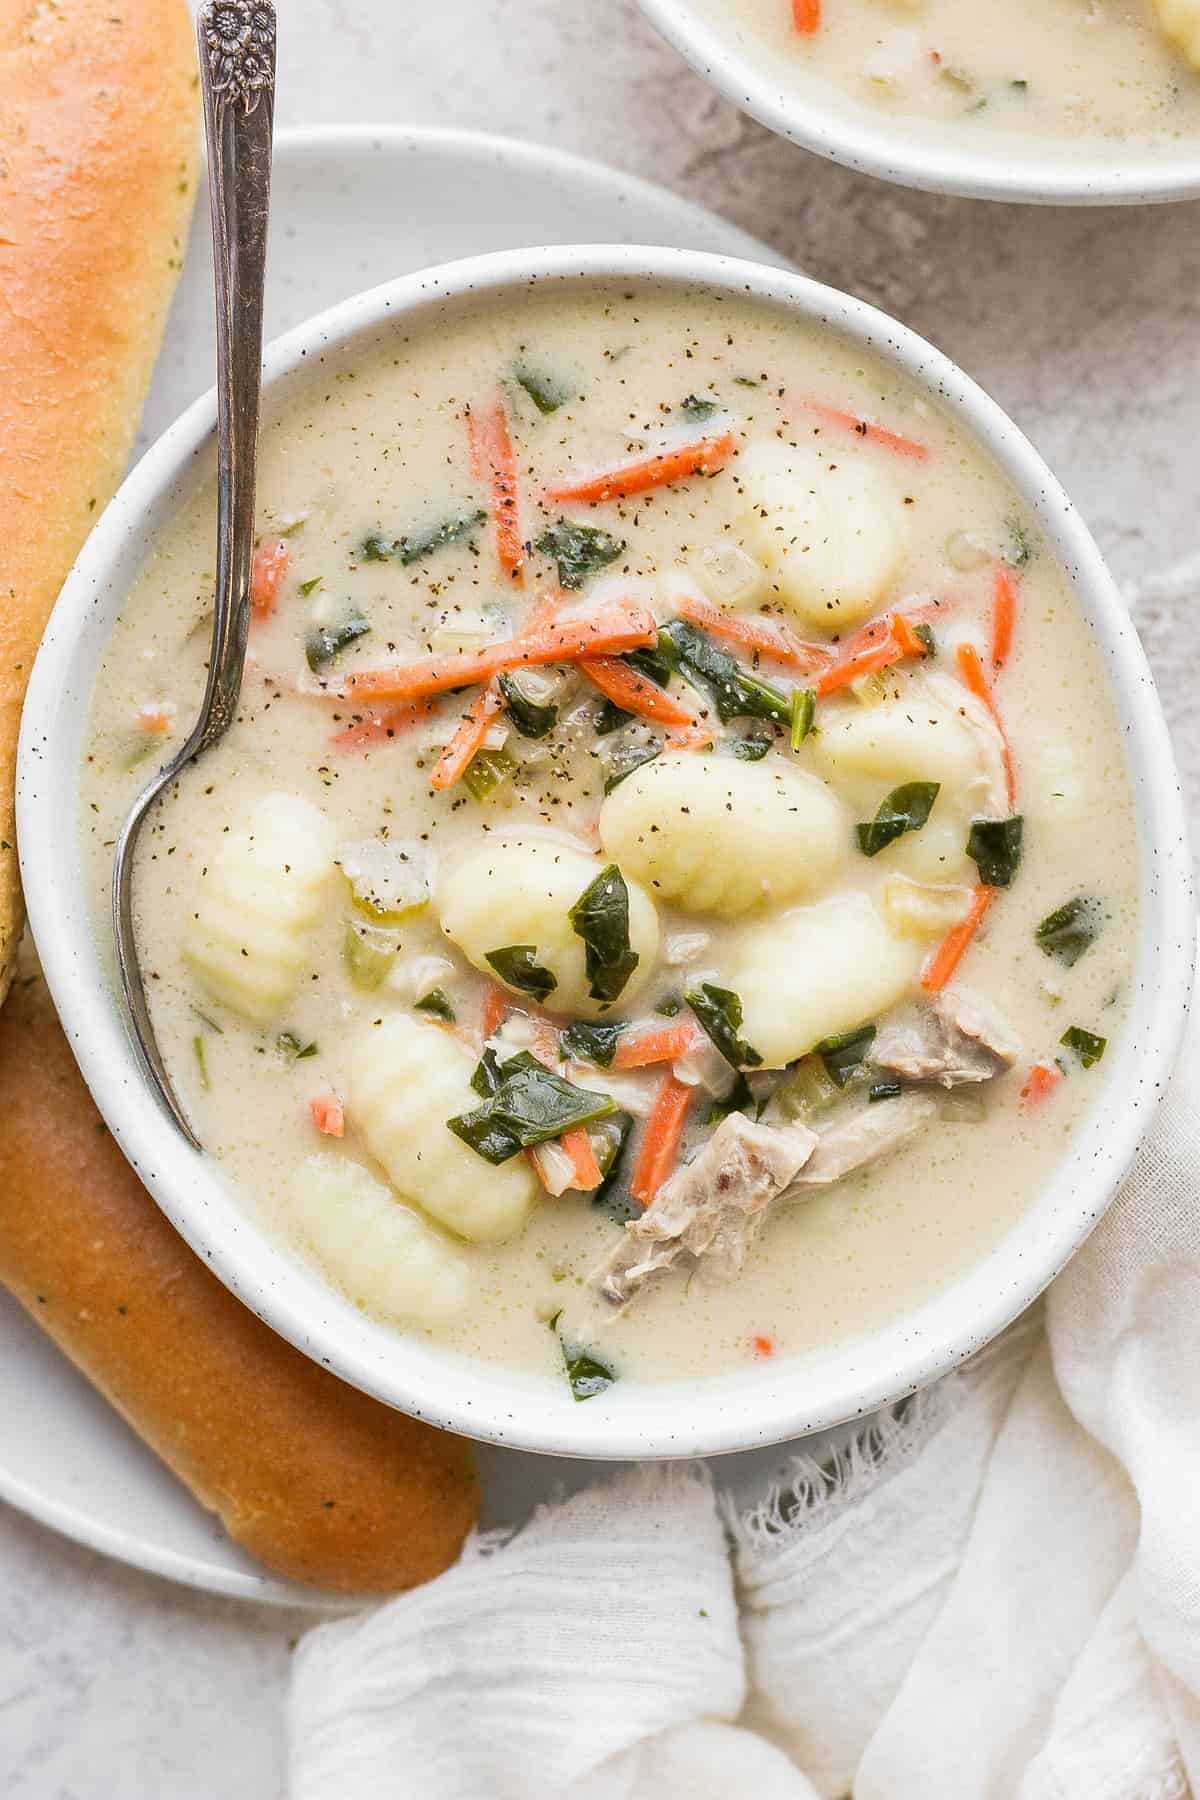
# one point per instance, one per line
(156, 721)
(1004, 615)
(328, 1114)
(691, 737)
(877, 630)
(379, 728)
(266, 576)
(762, 635)
(806, 16)
(762, 1345)
(629, 689)
(950, 952)
(495, 1010)
(466, 740)
(971, 670)
(578, 1146)
(700, 458)
(494, 461)
(904, 633)
(869, 428)
(545, 607)
(876, 656)
(1042, 1081)
(660, 1139)
(648, 1047)
(620, 628)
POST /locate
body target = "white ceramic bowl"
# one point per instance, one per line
(760, 1404)
(936, 157)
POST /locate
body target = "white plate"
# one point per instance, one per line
(352, 206)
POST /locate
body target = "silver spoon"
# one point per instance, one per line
(237, 77)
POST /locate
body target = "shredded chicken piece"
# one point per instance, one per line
(957, 1039)
(987, 794)
(710, 1209)
(859, 1132)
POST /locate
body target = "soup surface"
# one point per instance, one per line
(670, 884)
(1066, 69)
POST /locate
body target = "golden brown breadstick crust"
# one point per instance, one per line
(99, 144)
(318, 1481)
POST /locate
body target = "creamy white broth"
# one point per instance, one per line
(1070, 70)
(380, 446)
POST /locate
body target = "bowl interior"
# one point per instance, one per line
(766, 1402)
(1097, 172)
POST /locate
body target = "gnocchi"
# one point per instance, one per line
(721, 836)
(259, 895)
(934, 731)
(386, 1257)
(829, 529)
(520, 892)
(406, 1079)
(816, 972)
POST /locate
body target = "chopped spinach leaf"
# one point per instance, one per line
(736, 693)
(753, 747)
(531, 1106)
(531, 718)
(587, 1375)
(845, 1054)
(804, 711)
(600, 917)
(906, 809)
(327, 642)
(1020, 547)
(579, 550)
(925, 633)
(622, 759)
(1070, 930)
(437, 1002)
(310, 587)
(995, 847)
(719, 1010)
(546, 393)
(486, 771)
(414, 545)
(669, 1006)
(610, 718)
(293, 1047)
(698, 406)
(1087, 1046)
(610, 1141)
(486, 1076)
(884, 1090)
(592, 1042)
(658, 660)
(516, 965)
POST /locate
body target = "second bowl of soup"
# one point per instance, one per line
(667, 928)
(1044, 100)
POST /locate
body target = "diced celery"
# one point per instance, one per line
(808, 1089)
(388, 881)
(368, 955)
(486, 771)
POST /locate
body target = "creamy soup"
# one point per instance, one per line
(671, 883)
(1067, 69)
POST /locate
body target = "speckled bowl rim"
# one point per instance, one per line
(762, 1403)
(918, 162)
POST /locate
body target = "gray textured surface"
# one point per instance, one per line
(1084, 325)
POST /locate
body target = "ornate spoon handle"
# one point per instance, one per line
(237, 63)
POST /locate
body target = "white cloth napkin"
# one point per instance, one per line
(992, 1594)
